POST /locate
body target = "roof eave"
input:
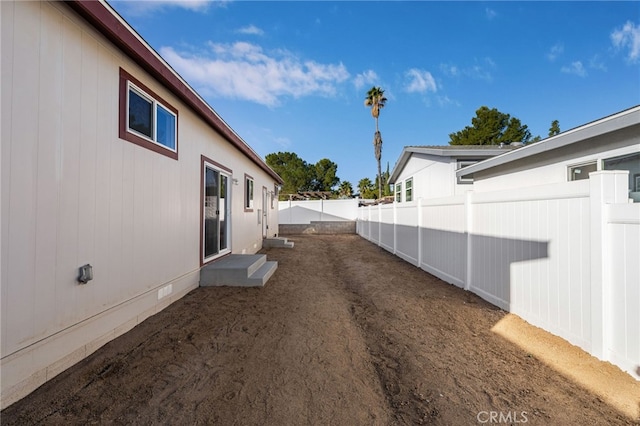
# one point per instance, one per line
(475, 153)
(104, 19)
(596, 128)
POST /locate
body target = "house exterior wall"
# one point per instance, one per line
(433, 176)
(73, 193)
(552, 166)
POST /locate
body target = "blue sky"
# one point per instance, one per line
(293, 75)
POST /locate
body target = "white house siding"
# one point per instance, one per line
(551, 168)
(73, 192)
(433, 176)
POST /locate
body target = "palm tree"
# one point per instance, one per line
(376, 100)
(345, 190)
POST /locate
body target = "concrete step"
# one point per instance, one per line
(238, 270)
(277, 242)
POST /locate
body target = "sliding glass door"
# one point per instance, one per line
(216, 213)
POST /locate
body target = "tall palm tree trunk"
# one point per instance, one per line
(377, 145)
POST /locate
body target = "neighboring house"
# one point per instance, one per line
(611, 143)
(109, 158)
(430, 171)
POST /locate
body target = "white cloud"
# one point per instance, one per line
(596, 63)
(244, 71)
(419, 81)
(250, 30)
(555, 51)
(575, 68)
(366, 78)
(142, 7)
(444, 101)
(628, 37)
(449, 70)
(481, 70)
(490, 13)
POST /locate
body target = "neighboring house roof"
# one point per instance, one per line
(107, 21)
(477, 152)
(612, 123)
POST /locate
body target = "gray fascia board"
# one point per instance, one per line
(596, 128)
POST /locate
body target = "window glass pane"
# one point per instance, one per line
(399, 192)
(211, 212)
(223, 211)
(582, 171)
(630, 163)
(140, 114)
(409, 190)
(249, 194)
(166, 132)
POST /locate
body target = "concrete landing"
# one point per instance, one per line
(277, 242)
(238, 270)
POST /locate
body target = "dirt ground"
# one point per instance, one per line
(344, 333)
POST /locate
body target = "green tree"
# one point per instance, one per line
(345, 190)
(324, 175)
(376, 100)
(366, 188)
(295, 172)
(555, 128)
(491, 127)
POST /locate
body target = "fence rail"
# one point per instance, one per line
(563, 257)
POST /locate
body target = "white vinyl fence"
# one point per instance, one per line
(305, 212)
(564, 257)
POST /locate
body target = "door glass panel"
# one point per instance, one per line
(211, 212)
(223, 211)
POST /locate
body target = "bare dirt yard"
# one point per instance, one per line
(344, 333)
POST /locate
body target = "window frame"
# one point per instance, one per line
(128, 83)
(249, 193)
(408, 189)
(572, 167)
(461, 164)
(398, 190)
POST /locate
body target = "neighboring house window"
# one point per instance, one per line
(581, 171)
(146, 119)
(248, 193)
(408, 189)
(399, 192)
(630, 162)
(461, 165)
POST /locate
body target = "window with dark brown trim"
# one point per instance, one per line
(146, 119)
(248, 193)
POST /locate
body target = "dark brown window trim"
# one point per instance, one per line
(246, 176)
(122, 126)
(203, 160)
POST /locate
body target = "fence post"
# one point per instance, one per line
(468, 215)
(395, 227)
(379, 224)
(419, 210)
(605, 187)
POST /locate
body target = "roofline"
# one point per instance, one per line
(612, 123)
(110, 24)
(444, 151)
